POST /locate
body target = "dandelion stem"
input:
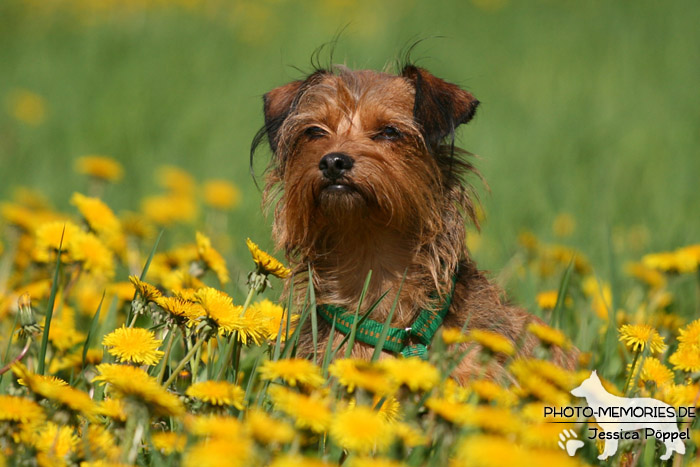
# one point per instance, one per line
(166, 356)
(632, 371)
(184, 361)
(251, 293)
(17, 358)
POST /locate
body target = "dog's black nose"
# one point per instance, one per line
(334, 165)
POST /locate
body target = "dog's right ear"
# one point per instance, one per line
(277, 105)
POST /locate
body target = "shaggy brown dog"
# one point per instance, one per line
(365, 177)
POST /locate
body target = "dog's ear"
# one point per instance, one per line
(277, 105)
(440, 107)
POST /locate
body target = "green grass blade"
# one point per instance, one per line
(49, 308)
(353, 330)
(291, 343)
(561, 295)
(290, 301)
(329, 350)
(610, 355)
(314, 316)
(387, 324)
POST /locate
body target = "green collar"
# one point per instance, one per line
(369, 331)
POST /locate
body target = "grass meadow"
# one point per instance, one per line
(125, 129)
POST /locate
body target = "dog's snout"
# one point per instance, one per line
(335, 164)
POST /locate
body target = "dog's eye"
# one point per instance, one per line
(315, 132)
(389, 132)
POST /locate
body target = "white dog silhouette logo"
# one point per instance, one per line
(605, 406)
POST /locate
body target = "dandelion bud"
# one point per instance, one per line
(258, 282)
(28, 325)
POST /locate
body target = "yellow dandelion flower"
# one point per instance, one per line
(416, 374)
(19, 409)
(292, 371)
(102, 167)
(310, 412)
(452, 336)
(27, 106)
(168, 442)
(681, 261)
(493, 392)
(168, 209)
(218, 393)
(180, 309)
(532, 382)
(296, 460)
(55, 442)
(211, 453)
(137, 225)
(690, 335)
(63, 333)
(268, 430)
(686, 358)
(131, 382)
(549, 335)
(136, 345)
(20, 216)
(95, 256)
(57, 391)
(215, 426)
(547, 300)
(389, 407)
(450, 410)
(410, 435)
(219, 308)
(492, 341)
(490, 418)
(267, 264)
(361, 429)
(652, 277)
(564, 379)
(148, 292)
(373, 462)
(274, 317)
(101, 443)
(221, 194)
(655, 372)
(637, 336)
(98, 215)
(176, 180)
(113, 408)
(679, 395)
(353, 373)
(212, 258)
(48, 239)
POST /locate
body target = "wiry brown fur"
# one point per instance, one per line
(406, 210)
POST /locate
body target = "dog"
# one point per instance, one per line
(365, 177)
(598, 398)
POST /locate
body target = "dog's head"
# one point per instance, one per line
(362, 148)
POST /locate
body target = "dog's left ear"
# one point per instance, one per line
(277, 105)
(440, 107)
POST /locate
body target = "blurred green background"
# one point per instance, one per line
(588, 108)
